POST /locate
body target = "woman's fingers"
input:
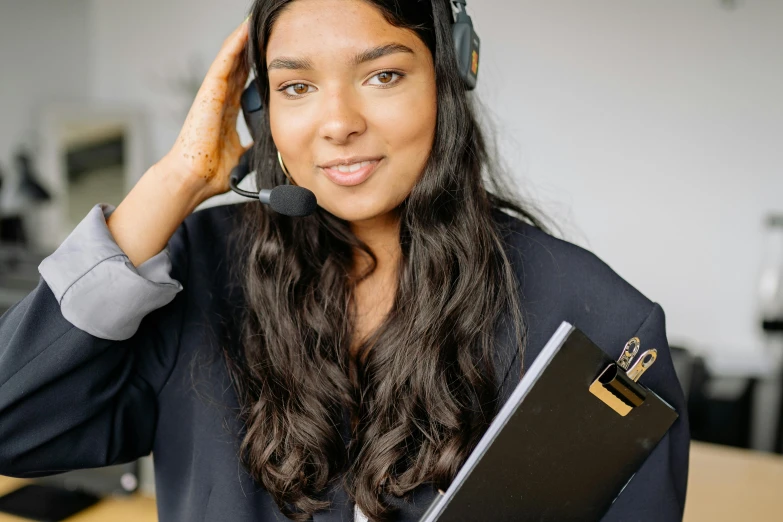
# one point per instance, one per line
(221, 90)
(237, 78)
(231, 54)
(208, 145)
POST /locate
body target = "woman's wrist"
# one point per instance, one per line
(183, 187)
(152, 211)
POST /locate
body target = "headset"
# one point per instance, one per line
(467, 44)
(295, 201)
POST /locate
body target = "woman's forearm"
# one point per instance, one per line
(148, 216)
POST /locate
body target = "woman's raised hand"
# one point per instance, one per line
(208, 146)
(198, 165)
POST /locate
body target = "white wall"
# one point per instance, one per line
(658, 126)
(652, 130)
(44, 57)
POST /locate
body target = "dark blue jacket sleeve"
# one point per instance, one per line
(657, 491)
(71, 400)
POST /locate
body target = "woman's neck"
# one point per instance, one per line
(373, 296)
(382, 235)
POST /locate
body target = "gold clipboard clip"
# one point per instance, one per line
(629, 352)
(617, 386)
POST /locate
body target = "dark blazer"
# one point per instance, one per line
(69, 400)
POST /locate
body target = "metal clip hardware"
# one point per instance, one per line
(629, 352)
(642, 363)
(617, 385)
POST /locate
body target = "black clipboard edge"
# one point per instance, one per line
(501, 419)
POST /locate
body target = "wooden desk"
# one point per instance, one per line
(731, 484)
(136, 508)
(725, 484)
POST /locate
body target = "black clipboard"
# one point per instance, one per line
(566, 442)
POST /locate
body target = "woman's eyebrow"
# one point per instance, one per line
(380, 51)
(294, 64)
(304, 64)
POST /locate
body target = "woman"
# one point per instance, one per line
(307, 366)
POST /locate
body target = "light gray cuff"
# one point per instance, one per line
(98, 288)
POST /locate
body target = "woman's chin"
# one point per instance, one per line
(355, 210)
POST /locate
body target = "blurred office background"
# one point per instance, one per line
(651, 132)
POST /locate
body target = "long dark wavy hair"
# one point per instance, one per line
(422, 389)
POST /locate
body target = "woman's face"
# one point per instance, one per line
(350, 91)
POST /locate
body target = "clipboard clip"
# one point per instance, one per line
(642, 363)
(617, 385)
(629, 352)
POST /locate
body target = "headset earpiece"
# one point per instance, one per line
(252, 110)
(467, 44)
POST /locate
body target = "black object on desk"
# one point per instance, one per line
(567, 441)
(45, 503)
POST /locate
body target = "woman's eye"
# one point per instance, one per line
(386, 78)
(382, 79)
(296, 89)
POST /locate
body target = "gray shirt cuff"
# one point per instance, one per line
(98, 288)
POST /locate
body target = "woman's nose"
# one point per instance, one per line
(342, 118)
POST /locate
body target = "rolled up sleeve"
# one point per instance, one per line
(98, 288)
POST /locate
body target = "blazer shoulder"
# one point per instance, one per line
(218, 220)
(560, 281)
(211, 233)
(212, 250)
(545, 264)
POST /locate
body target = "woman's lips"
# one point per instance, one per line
(349, 179)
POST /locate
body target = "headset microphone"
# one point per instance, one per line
(288, 200)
